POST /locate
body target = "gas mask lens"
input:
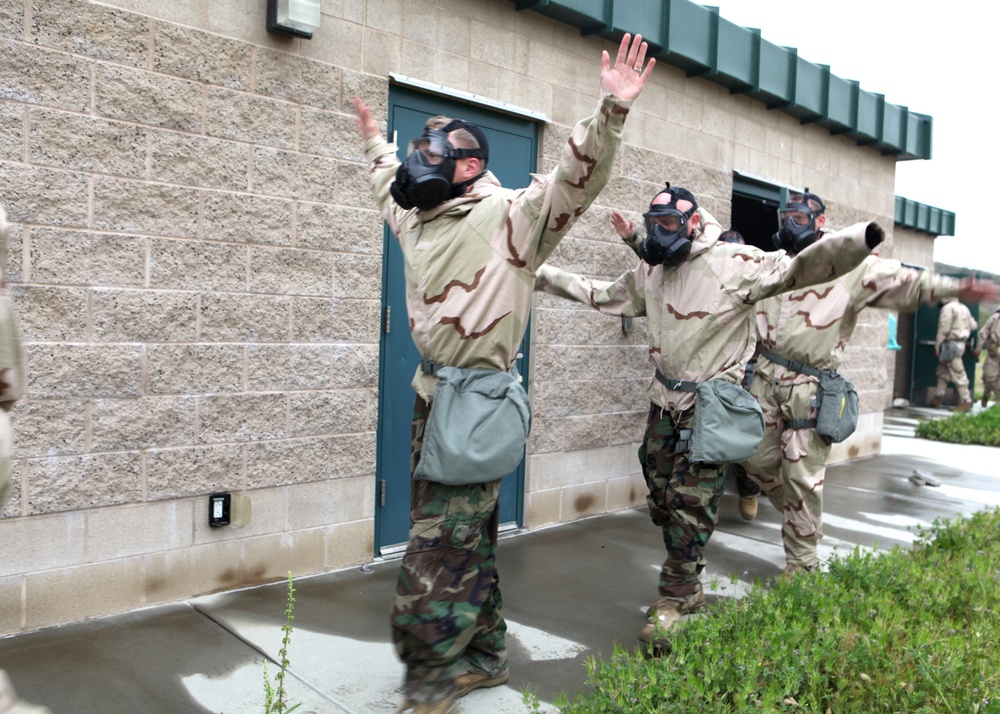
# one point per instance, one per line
(798, 217)
(432, 148)
(669, 220)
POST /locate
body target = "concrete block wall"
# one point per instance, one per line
(197, 267)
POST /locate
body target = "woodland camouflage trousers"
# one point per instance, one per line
(447, 619)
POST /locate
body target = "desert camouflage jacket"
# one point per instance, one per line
(989, 336)
(955, 322)
(470, 262)
(814, 325)
(11, 356)
(699, 312)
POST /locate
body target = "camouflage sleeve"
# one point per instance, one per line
(543, 213)
(835, 255)
(888, 283)
(945, 323)
(382, 165)
(624, 296)
(634, 242)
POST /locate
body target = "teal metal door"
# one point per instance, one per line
(924, 360)
(513, 148)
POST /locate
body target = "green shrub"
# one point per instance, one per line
(982, 428)
(903, 631)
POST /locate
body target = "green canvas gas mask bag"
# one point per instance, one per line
(728, 424)
(837, 408)
(477, 427)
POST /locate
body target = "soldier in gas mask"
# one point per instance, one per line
(803, 335)
(471, 248)
(697, 294)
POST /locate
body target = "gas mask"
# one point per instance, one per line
(424, 180)
(667, 241)
(798, 224)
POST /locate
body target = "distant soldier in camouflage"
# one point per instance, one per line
(697, 294)
(470, 249)
(989, 340)
(11, 364)
(955, 325)
(811, 327)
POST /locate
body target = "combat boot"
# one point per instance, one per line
(465, 683)
(935, 402)
(793, 569)
(964, 407)
(748, 507)
(984, 401)
(664, 614)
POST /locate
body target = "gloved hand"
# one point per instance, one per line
(874, 235)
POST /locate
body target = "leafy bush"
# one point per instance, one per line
(982, 428)
(903, 631)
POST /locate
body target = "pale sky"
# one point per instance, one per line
(935, 58)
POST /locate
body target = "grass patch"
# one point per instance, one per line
(982, 428)
(904, 631)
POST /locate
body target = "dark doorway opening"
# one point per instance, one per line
(756, 219)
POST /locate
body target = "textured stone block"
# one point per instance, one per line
(173, 473)
(139, 529)
(330, 134)
(11, 131)
(352, 230)
(242, 218)
(193, 265)
(249, 118)
(285, 76)
(288, 367)
(33, 194)
(141, 423)
(242, 417)
(12, 21)
(372, 90)
(342, 43)
(36, 76)
(291, 271)
(384, 52)
(122, 205)
(275, 463)
(192, 54)
(315, 320)
(11, 616)
(353, 455)
(327, 413)
(68, 257)
(43, 543)
(92, 30)
(596, 430)
(235, 317)
(354, 186)
(86, 144)
(328, 502)
(46, 427)
(195, 570)
(15, 252)
(144, 316)
(195, 369)
(357, 276)
(12, 507)
(546, 435)
(61, 371)
(292, 175)
(69, 483)
(148, 98)
(355, 366)
(50, 313)
(97, 588)
(199, 161)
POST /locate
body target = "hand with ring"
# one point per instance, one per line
(628, 76)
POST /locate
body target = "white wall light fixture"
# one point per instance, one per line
(293, 17)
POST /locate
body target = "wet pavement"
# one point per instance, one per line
(570, 592)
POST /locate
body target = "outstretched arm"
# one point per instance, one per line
(624, 296)
(382, 163)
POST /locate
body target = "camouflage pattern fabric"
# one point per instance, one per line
(745, 486)
(683, 501)
(11, 363)
(701, 308)
(447, 617)
(813, 326)
(469, 263)
(954, 323)
(989, 339)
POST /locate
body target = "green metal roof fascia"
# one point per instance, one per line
(696, 39)
(924, 218)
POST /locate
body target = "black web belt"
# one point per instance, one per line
(802, 368)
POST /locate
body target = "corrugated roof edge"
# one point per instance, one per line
(921, 217)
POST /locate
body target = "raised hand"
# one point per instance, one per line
(624, 227)
(628, 77)
(363, 118)
(973, 290)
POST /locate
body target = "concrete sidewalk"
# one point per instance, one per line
(570, 592)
